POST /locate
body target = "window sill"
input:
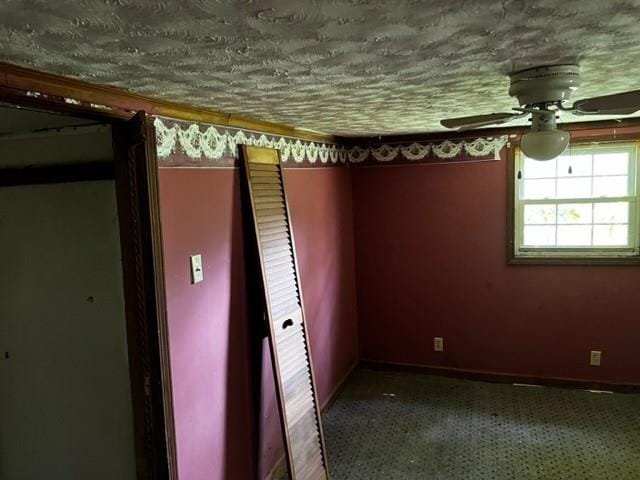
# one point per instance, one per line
(573, 260)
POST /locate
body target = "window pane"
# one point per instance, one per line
(539, 189)
(610, 235)
(574, 235)
(575, 213)
(584, 200)
(540, 214)
(535, 236)
(614, 212)
(537, 169)
(610, 186)
(611, 164)
(580, 165)
(574, 187)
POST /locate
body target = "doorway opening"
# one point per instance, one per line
(84, 364)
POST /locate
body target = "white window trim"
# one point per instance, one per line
(632, 250)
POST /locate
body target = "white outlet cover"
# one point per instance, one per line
(595, 358)
(197, 274)
(438, 344)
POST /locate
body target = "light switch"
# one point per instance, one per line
(197, 275)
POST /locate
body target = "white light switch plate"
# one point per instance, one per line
(197, 274)
(595, 358)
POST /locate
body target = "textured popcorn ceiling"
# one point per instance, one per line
(341, 66)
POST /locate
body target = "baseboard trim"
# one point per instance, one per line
(500, 377)
(281, 465)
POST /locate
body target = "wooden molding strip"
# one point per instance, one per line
(498, 377)
(28, 80)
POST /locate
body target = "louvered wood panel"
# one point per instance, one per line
(293, 369)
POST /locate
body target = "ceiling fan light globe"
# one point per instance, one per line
(544, 145)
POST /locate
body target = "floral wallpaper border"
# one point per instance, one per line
(192, 145)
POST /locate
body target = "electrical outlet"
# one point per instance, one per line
(595, 358)
(438, 344)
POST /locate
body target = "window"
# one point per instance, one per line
(583, 204)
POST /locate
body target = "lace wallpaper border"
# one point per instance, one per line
(203, 145)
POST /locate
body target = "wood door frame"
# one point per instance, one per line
(143, 275)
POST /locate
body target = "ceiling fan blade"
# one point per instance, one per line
(465, 123)
(617, 104)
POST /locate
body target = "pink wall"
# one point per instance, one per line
(430, 261)
(201, 213)
(321, 210)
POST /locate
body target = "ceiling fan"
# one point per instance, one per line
(541, 93)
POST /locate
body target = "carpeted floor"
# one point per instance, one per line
(397, 426)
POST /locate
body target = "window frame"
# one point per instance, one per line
(575, 255)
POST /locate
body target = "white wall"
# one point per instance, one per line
(65, 403)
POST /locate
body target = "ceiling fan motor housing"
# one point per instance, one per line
(547, 84)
